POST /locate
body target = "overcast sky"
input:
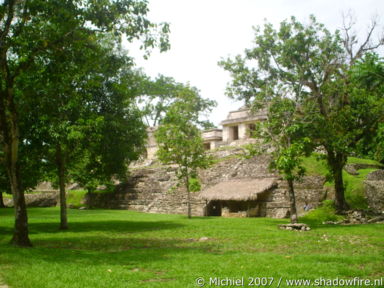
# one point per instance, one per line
(204, 31)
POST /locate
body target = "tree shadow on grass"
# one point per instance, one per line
(96, 250)
(112, 226)
(121, 226)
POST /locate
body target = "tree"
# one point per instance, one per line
(160, 93)
(179, 139)
(95, 113)
(313, 65)
(283, 135)
(30, 30)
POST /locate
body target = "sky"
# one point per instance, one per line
(205, 31)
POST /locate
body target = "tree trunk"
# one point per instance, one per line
(188, 197)
(1, 200)
(340, 202)
(292, 202)
(20, 235)
(10, 134)
(337, 161)
(60, 162)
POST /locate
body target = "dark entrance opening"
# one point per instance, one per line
(251, 130)
(207, 146)
(214, 208)
(235, 132)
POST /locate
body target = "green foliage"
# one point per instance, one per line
(194, 184)
(7, 195)
(160, 94)
(178, 137)
(285, 135)
(179, 140)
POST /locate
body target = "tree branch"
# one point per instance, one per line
(8, 22)
(23, 20)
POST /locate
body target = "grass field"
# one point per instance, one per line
(119, 248)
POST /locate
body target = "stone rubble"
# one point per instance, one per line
(295, 227)
(358, 217)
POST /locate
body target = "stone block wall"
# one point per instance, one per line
(154, 190)
(149, 190)
(374, 190)
(43, 199)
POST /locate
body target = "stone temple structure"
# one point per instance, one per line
(151, 145)
(240, 123)
(236, 129)
(233, 187)
(213, 138)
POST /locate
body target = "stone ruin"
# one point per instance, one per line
(237, 129)
(153, 190)
(374, 190)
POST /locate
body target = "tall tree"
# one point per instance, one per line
(29, 30)
(179, 139)
(313, 64)
(284, 133)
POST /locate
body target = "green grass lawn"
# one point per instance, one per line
(119, 248)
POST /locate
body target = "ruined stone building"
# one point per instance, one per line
(240, 123)
(151, 145)
(233, 187)
(236, 129)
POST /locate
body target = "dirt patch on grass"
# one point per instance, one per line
(2, 284)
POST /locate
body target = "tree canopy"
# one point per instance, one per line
(159, 94)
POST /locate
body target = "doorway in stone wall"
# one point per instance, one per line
(214, 208)
(235, 133)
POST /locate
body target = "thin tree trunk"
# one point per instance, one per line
(1, 200)
(60, 162)
(188, 197)
(292, 202)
